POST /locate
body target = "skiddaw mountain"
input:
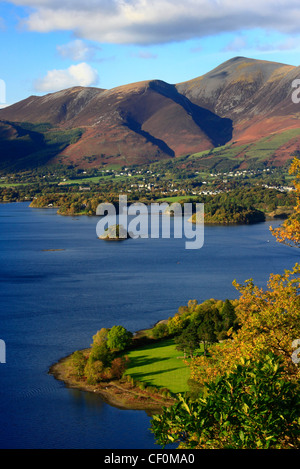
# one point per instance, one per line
(243, 104)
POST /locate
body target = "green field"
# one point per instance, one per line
(261, 150)
(159, 365)
(177, 198)
(6, 184)
(95, 179)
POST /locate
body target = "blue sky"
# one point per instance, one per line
(48, 45)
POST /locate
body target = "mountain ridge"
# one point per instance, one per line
(237, 102)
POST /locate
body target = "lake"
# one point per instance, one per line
(60, 285)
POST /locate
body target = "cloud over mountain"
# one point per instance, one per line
(159, 21)
(78, 50)
(76, 75)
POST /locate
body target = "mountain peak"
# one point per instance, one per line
(240, 100)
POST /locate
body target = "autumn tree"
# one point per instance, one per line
(118, 367)
(93, 371)
(289, 232)
(99, 348)
(100, 337)
(269, 322)
(255, 405)
(78, 363)
(176, 324)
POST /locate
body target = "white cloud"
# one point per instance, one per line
(159, 21)
(237, 44)
(76, 75)
(78, 50)
(288, 44)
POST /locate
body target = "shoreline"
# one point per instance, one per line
(116, 393)
(274, 216)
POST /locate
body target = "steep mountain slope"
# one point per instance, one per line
(134, 123)
(254, 94)
(146, 121)
(241, 101)
(54, 108)
(237, 87)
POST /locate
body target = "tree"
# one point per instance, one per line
(118, 338)
(207, 323)
(249, 386)
(228, 315)
(252, 407)
(93, 371)
(101, 353)
(176, 324)
(188, 340)
(289, 232)
(118, 367)
(100, 337)
(99, 348)
(160, 330)
(206, 333)
(78, 363)
(269, 321)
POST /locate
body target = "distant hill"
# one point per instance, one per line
(239, 103)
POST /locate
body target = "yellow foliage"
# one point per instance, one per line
(289, 232)
(269, 322)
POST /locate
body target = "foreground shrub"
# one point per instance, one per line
(253, 407)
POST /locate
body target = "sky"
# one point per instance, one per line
(50, 45)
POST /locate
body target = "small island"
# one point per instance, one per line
(115, 233)
(229, 216)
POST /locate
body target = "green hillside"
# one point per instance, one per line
(229, 157)
(25, 145)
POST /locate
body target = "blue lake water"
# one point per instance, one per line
(53, 302)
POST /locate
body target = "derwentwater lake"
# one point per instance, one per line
(60, 285)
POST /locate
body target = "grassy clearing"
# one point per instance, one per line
(158, 365)
(6, 184)
(262, 149)
(83, 181)
(177, 198)
(99, 179)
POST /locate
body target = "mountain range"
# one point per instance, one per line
(237, 105)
